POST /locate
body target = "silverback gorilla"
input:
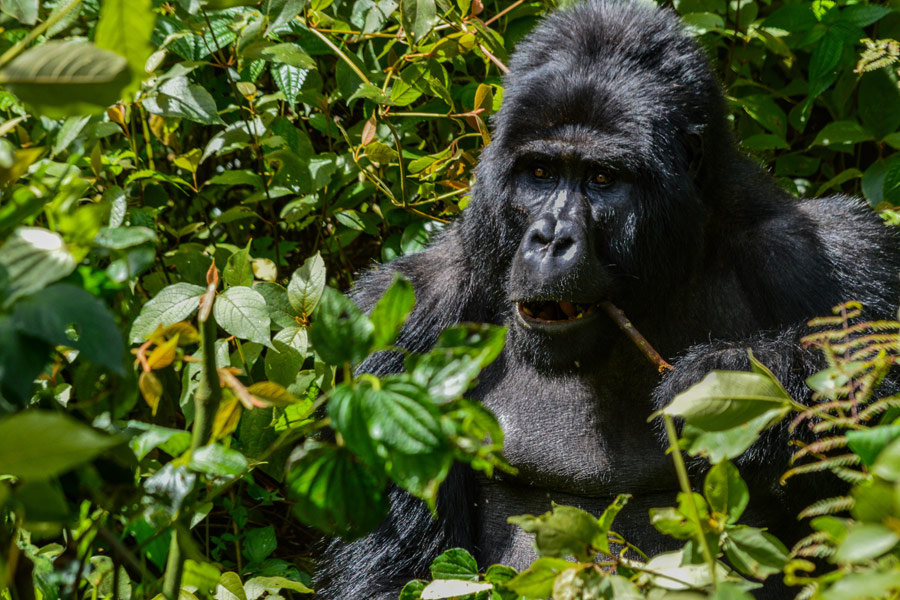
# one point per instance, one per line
(612, 175)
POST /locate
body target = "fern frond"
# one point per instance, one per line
(827, 506)
(816, 537)
(830, 425)
(828, 464)
(851, 476)
(878, 407)
(807, 592)
(816, 551)
(878, 54)
(820, 446)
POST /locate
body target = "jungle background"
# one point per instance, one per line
(249, 158)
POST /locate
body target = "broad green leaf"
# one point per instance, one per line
(23, 11)
(452, 588)
(842, 132)
(764, 110)
(258, 586)
(121, 238)
(286, 54)
(755, 552)
(37, 444)
(610, 512)
(864, 585)
(887, 465)
(879, 102)
(241, 311)
(289, 79)
(391, 311)
(173, 303)
(728, 444)
(671, 571)
(725, 491)
(202, 575)
(307, 285)
(340, 333)
(891, 184)
(61, 79)
(33, 258)
(272, 393)
(537, 580)
(565, 531)
(867, 443)
(282, 363)
(824, 62)
(172, 441)
(335, 492)
(480, 341)
(726, 399)
(413, 590)
(125, 27)
(218, 461)
(179, 98)
(455, 563)
(417, 18)
(280, 310)
(865, 541)
(259, 543)
(230, 587)
(295, 337)
(65, 315)
(238, 271)
(281, 12)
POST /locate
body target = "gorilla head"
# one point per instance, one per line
(595, 177)
(612, 176)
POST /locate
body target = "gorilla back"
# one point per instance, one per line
(612, 176)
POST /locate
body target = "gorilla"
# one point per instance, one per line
(613, 175)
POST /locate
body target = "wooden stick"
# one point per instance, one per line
(616, 314)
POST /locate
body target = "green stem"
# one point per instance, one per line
(52, 20)
(209, 392)
(685, 484)
(174, 569)
(399, 160)
(341, 55)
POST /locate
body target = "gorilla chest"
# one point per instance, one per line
(577, 433)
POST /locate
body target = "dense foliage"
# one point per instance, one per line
(194, 180)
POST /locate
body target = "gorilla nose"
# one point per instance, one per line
(551, 243)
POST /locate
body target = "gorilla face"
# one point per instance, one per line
(592, 178)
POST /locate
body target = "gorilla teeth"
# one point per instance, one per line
(551, 310)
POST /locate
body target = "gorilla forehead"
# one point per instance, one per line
(617, 69)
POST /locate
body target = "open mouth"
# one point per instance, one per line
(554, 311)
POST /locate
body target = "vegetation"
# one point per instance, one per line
(185, 184)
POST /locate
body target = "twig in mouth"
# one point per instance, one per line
(616, 314)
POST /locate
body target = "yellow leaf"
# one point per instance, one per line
(187, 334)
(227, 417)
(272, 393)
(151, 390)
(163, 355)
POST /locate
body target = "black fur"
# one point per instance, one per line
(697, 244)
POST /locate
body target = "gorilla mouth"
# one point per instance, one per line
(552, 311)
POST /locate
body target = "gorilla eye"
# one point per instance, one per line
(601, 179)
(540, 172)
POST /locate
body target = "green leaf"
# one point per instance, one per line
(259, 586)
(864, 542)
(289, 80)
(842, 132)
(65, 315)
(230, 587)
(870, 583)
(121, 238)
(867, 443)
(172, 441)
(23, 11)
(259, 543)
(537, 580)
(336, 493)
(455, 563)
(125, 27)
(755, 552)
(727, 399)
(887, 465)
(765, 111)
(241, 311)
(341, 333)
(891, 185)
(218, 461)
(671, 571)
(280, 310)
(295, 337)
(417, 18)
(179, 98)
(453, 588)
(879, 102)
(172, 304)
(413, 590)
(61, 79)
(725, 491)
(481, 341)
(282, 12)
(36, 444)
(33, 258)
(565, 531)
(391, 311)
(824, 62)
(609, 514)
(287, 54)
(307, 285)
(238, 270)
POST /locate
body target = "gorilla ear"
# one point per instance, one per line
(694, 146)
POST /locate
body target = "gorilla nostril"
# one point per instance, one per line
(564, 248)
